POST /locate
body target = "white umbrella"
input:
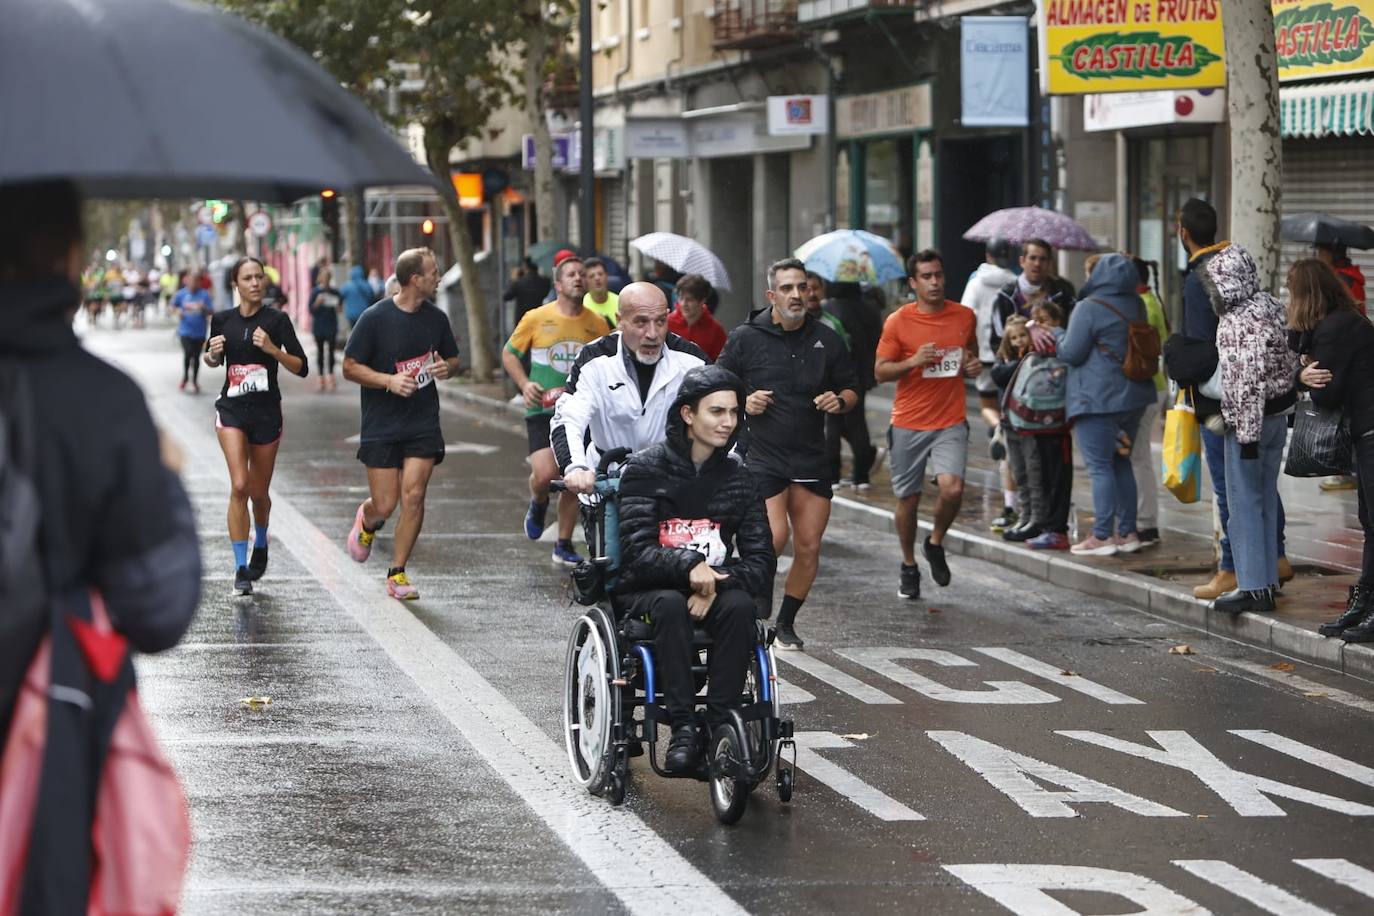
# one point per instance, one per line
(683, 255)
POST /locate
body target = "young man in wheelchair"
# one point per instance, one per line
(696, 548)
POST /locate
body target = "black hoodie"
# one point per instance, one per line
(667, 502)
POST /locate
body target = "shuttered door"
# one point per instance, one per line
(613, 233)
(1332, 175)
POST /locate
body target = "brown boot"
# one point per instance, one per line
(1223, 582)
(1286, 573)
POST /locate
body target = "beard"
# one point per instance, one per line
(647, 360)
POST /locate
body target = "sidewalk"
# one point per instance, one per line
(1324, 544)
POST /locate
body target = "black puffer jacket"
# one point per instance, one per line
(661, 485)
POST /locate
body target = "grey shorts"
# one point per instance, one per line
(911, 450)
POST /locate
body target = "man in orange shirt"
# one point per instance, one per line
(928, 347)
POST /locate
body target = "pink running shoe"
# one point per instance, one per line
(399, 587)
(360, 539)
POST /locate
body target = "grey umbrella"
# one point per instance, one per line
(1321, 229)
(163, 98)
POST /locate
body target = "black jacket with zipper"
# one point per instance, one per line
(788, 439)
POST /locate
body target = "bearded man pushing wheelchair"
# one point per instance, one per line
(696, 549)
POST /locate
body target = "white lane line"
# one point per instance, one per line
(874, 801)
(1247, 887)
(1051, 673)
(1342, 872)
(1315, 756)
(845, 683)
(1296, 682)
(637, 865)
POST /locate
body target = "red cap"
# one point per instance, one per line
(562, 255)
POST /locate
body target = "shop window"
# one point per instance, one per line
(842, 179)
(888, 192)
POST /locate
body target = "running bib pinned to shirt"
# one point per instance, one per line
(246, 378)
(949, 362)
(550, 397)
(699, 534)
(420, 368)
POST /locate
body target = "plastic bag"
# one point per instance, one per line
(1182, 461)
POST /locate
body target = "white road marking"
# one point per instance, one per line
(1315, 756)
(790, 693)
(1052, 673)
(1297, 683)
(1247, 887)
(1010, 773)
(637, 865)
(1023, 889)
(884, 807)
(1244, 792)
(883, 661)
(1342, 871)
(844, 683)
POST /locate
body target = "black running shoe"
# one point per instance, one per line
(257, 563)
(935, 556)
(243, 581)
(911, 583)
(787, 638)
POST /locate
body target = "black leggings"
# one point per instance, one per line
(321, 344)
(190, 358)
(1364, 476)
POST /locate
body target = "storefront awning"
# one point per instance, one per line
(1343, 109)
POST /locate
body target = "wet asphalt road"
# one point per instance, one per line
(411, 758)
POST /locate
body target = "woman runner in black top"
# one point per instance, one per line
(250, 341)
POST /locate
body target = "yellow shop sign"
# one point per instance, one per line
(1323, 38)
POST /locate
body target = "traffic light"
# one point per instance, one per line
(329, 216)
(427, 227)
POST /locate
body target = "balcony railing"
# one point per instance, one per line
(746, 25)
(814, 11)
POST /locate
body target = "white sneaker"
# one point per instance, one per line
(1128, 544)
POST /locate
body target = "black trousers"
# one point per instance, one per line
(1050, 469)
(1364, 477)
(853, 428)
(323, 345)
(731, 625)
(190, 358)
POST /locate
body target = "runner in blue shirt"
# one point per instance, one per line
(194, 306)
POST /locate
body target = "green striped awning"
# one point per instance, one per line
(1343, 109)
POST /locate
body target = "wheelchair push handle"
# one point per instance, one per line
(614, 456)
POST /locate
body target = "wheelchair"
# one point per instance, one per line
(612, 708)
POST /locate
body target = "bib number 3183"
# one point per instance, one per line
(948, 363)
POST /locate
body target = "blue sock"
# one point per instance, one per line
(240, 553)
(261, 535)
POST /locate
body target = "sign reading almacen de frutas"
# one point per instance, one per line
(1325, 38)
(1130, 45)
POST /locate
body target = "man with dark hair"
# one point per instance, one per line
(796, 370)
(1036, 283)
(599, 297)
(527, 289)
(552, 336)
(928, 348)
(692, 320)
(397, 350)
(1335, 255)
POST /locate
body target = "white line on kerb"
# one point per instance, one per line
(637, 865)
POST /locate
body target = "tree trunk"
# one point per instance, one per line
(479, 335)
(536, 50)
(1252, 94)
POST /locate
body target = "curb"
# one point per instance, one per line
(1256, 630)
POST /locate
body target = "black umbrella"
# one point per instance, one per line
(1320, 229)
(163, 98)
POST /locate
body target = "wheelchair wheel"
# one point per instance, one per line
(729, 795)
(587, 706)
(755, 680)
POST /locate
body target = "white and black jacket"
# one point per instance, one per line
(602, 399)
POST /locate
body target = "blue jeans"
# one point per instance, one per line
(1214, 453)
(1114, 492)
(1252, 493)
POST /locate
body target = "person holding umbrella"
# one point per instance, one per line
(1334, 254)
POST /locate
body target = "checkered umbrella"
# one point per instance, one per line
(1019, 224)
(683, 255)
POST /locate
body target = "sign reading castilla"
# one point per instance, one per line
(1323, 38)
(1131, 45)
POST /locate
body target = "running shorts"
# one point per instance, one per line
(261, 423)
(394, 454)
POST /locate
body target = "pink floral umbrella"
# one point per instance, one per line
(1018, 224)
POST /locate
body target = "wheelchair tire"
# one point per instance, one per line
(615, 789)
(729, 796)
(588, 706)
(785, 784)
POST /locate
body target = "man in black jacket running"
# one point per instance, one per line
(695, 544)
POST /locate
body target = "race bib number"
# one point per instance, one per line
(550, 397)
(949, 362)
(699, 534)
(246, 378)
(420, 368)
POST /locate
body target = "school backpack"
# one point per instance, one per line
(1037, 393)
(1141, 361)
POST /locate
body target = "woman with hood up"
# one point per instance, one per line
(1257, 393)
(357, 295)
(696, 547)
(1105, 406)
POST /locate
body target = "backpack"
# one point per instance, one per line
(1036, 396)
(1142, 347)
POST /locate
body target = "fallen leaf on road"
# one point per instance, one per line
(1205, 670)
(932, 610)
(1316, 693)
(1204, 815)
(1282, 666)
(861, 736)
(1067, 673)
(1184, 649)
(256, 702)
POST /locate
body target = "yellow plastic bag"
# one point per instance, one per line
(1182, 463)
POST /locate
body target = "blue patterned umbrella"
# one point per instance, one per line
(1020, 224)
(852, 256)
